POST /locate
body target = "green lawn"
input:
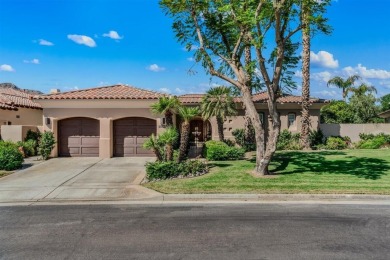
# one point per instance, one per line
(349, 171)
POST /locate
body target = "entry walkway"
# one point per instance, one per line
(78, 179)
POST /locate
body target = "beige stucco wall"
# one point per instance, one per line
(15, 133)
(238, 121)
(27, 116)
(106, 111)
(353, 130)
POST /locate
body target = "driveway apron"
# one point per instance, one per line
(78, 179)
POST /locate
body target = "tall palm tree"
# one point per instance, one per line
(152, 143)
(218, 102)
(186, 114)
(166, 105)
(168, 138)
(346, 85)
(306, 41)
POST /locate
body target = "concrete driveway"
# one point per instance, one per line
(78, 179)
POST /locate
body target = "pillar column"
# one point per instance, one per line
(106, 138)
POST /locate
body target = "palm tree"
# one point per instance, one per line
(168, 138)
(152, 143)
(187, 114)
(363, 89)
(166, 105)
(218, 102)
(306, 41)
(346, 85)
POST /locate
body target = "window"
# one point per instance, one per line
(163, 121)
(291, 120)
(261, 116)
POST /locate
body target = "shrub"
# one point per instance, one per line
(10, 156)
(219, 151)
(239, 137)
(371, 141)
(336, 143)
(316, 138)
(28, 147)
(34, 136)
(46, 144)
(288, 141)
(172, 169)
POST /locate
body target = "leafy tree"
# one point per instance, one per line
(168, 138)
(346, 85)
(225, 30)
(363, 106)
(363, 89)
(166, 105)
(337, 112)
(218, 102)
(186, 114)
(309, 27)
(385, 103)
(152, 143)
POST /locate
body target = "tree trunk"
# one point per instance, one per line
(249, 135)
(156, 151)
(169, 152)
(168, 118)
(185, 132)
(259, 131)
(273, 136)
(305, 121)
(220, 128)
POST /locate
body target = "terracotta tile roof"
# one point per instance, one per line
(191, 98)
(107, 92)
(258, 98)
(11, 99)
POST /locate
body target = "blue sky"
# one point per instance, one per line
(75, 44)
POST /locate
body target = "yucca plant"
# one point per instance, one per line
(186, 114)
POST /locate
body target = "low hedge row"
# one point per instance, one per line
(172, 169)
(220, 151)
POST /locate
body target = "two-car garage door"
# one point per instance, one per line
(80, 136)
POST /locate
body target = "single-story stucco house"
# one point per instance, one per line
(114, 121)
(385, 115)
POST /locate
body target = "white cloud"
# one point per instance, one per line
(33, 61)
(165, 90)
(324, 59)
(113, 35)
(190, 59)
(45, 42)
(367, 73)
(298, 74)
(179, 90)
(155, 68)
(82, 39)
(6, 67)
(322, 76)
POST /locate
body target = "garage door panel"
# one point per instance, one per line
(130, 134)
(79, 137)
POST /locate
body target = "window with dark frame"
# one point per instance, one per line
(291, 119)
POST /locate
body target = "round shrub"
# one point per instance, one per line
(220, 151)
(10, 156)
(336, 143)
(374, 143)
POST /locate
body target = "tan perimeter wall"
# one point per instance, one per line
(238, 121)
(353, 130)
(16, 133)
(27, 116)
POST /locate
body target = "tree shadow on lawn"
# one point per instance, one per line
(316, 162)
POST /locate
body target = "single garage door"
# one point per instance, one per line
(129, 135)
(79, 137)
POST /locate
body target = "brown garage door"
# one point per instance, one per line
(79, 137)
(129, 135)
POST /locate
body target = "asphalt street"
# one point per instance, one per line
(250, 231)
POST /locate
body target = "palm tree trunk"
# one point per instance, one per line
(156, 151)
(185, 132)
(305, 121)
(169, 152)
(220, 128)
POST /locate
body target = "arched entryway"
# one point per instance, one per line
(129, 135)
(78, 137)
